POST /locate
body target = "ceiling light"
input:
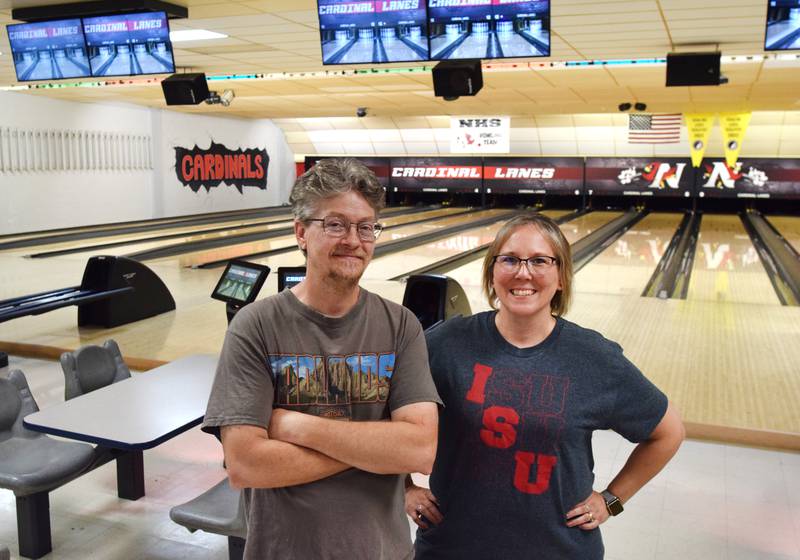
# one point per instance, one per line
(194, 35)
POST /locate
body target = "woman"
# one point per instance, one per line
(523, 390)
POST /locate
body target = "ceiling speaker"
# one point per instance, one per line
(693, 69)
(185, 89)
(454, 78)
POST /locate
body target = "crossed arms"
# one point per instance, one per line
(298, 448)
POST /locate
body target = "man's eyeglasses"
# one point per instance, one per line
(336, 226)
(509, 264)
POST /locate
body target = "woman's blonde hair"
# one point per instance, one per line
(561, 251)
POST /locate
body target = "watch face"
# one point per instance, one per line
(614, 507)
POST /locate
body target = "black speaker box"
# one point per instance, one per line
(693, 69)
(454, 78)
(185, 89)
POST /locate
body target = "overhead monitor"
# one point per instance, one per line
(129, 44)
(776, 178)
(366, 31)
(48, 50)
(656, 176)
(290, 276)
(783, 25)
(474, 29)
(240, 282)
(535, 175)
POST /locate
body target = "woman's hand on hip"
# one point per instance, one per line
(587, 515)
(422, 506)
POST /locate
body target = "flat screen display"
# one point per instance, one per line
(240, 282)
(515, 175)
(436, 175)
(290, 276)
(749, 178)
(129, 44)
(358, 32)
(639, 177)
(473, 29)
(49, 50)
(783, 25)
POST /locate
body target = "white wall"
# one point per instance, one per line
(120, 189)
(35, 200)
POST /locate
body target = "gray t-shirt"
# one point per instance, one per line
(279, 352)
(515, 449)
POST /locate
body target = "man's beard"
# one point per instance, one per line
(344, 280)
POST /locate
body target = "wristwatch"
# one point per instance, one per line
(613, 505)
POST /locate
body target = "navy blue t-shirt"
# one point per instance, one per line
(515, 451)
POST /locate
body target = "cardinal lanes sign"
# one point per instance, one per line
(240, 168)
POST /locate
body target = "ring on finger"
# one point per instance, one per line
(419, 507)
(591, 517)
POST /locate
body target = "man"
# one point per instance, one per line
(323, 394)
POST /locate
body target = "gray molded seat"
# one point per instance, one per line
(92, 367)
(32, 464)
(219, 510)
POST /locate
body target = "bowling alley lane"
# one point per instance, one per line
(191, 236)
(727, 267)
(426, 254)
(133, 240)
(627, 264)
(166, 222)
(788, 227)
(584, 225)
(447, 217)
(226, 228)
(234, 249)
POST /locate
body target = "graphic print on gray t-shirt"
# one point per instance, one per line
(280, 353)
(329, 385)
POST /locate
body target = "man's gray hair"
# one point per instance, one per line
(331, 177)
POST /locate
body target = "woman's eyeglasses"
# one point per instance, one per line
(509, 264)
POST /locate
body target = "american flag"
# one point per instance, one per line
(654, 129)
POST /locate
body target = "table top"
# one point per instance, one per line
(137, 413)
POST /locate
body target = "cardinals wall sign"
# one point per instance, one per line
(197, 168)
